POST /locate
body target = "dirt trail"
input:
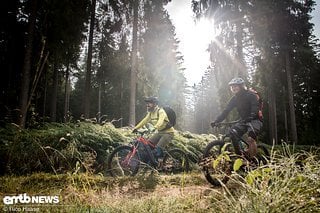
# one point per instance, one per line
(167, 186)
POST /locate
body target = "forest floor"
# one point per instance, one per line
(159, 193)
(154, 192)
(86, 193)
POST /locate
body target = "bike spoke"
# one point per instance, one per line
(123, 162)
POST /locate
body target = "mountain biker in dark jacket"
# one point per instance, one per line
(248, 106)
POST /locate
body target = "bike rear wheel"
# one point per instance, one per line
(175, 161)
(215, 166)
(123, 162)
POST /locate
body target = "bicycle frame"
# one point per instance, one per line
(227, 125)
(145, 141)
(146, 144)
(127, 159)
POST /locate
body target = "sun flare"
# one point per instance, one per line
(194, 37)
(198, 36)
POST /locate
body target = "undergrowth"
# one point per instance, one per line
(68, 160)
(289, 183)
(73, 147)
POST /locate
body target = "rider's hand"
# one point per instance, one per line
(134, 131)
(153, 130)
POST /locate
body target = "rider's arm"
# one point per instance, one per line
(144, 121)
(162, 120)
(225, 112)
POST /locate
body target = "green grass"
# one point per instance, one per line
(68, 161)
(287, 184)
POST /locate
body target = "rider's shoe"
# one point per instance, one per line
(160, 162)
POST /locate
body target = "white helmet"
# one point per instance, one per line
(236, 81)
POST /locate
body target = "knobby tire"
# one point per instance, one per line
(175, 161)
(121, 162)
(215, 176)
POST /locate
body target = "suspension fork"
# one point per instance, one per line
(236, 141)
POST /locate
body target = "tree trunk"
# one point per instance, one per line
(54, 94)
(121, 101)
(25, 83)
(293, 127)
(241, 68)
(285, 116)
(272, 106)
(133, 82)
(99, 103)
(87, 89)
(45, 96)
(67, 96)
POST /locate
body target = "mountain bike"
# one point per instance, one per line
(127, 160)
(219, 159)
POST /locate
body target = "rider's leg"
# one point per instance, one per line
(252, 149)
(154, 139)
(254, 128)
(236, 133)
(165, 139)
(160, 140)
(163, 142)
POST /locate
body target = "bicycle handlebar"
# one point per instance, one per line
(143, 132)
(228, 123)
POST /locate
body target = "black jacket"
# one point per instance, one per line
(247, 105)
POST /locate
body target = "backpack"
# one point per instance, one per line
(260, 114)
(171, 116)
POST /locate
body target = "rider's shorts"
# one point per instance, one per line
(253, 127)
(161, 139)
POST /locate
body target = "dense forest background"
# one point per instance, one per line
(70, 60)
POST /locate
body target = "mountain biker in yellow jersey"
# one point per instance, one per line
(248, 107)
(159, 119)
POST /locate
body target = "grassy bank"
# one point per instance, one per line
(287, 184)
(68, 161)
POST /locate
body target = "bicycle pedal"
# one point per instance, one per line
(160, 162)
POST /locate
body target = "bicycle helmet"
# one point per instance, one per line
(153, 100)
(236, 81)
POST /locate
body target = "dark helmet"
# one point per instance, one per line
(236, 81)
(153, 100)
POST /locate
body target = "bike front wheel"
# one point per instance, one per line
(263, 155)
(123, 161)
(175, 161)
(216, 166)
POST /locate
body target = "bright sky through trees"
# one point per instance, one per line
(316, 19)
(195, 37)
